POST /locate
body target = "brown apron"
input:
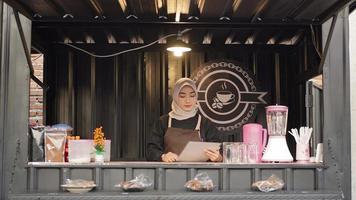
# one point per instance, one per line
(175, 139)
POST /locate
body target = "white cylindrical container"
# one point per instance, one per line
(303, 152)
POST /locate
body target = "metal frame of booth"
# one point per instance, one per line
(22, 180)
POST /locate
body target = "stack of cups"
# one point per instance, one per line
(319, 153)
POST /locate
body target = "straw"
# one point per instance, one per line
(295, 135)
(304, 134)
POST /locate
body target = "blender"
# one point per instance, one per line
(277, 149)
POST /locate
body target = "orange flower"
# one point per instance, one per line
(99, 139)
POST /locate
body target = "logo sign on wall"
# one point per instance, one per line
(227, 94)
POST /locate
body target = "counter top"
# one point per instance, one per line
(125, 164)
(325, 195)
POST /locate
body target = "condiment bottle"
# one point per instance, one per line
(66, 149)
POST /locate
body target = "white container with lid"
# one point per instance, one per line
(79, 151)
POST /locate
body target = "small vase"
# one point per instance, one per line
(99, 157)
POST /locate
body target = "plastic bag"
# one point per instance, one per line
(271, 184)
(138, 184)
(201, 183)
(63, 127)
(54, 146)
(36, 143)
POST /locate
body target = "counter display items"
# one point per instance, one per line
(201, 183)
(99, 144)
(277, 148)
(78, 185)
(54, 146)
(302, 139)
(138, 184)
(271, 184)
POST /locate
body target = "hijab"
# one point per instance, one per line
(177, 112)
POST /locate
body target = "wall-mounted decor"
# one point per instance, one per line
(227, 93)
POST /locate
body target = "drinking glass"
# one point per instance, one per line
(240, 155)
(228, 151)
(252, 153)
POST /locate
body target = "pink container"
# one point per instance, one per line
(255, 134)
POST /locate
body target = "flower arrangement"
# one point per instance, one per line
(99, 140)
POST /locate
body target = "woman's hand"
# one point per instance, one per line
(213, 154)
(169, 157)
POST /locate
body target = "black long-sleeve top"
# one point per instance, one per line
(155, 145)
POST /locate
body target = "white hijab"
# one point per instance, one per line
(177, 112)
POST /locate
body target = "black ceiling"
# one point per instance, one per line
(142, 21)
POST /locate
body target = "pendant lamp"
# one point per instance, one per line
(178, 47)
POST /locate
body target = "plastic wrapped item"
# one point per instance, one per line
(54, 145)
(78, 185)
(62, 127)
(36, 143)
(201, 183)
(273, 183)
(138, 184)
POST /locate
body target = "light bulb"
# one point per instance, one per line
(178, 50)
(177, 53)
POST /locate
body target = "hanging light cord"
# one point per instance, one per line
(125, 51)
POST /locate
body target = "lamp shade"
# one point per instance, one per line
(178, 47)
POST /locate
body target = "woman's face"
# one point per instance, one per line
(187, 98)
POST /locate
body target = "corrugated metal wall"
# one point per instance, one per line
(126, 94)
(337, 115)
(14, 102)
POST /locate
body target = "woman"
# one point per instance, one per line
(181, 125)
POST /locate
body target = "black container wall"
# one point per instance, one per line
(126, 94)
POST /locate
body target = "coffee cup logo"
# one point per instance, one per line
(227, 94)
(223, 98)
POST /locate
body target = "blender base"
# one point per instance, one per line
(277, 150)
